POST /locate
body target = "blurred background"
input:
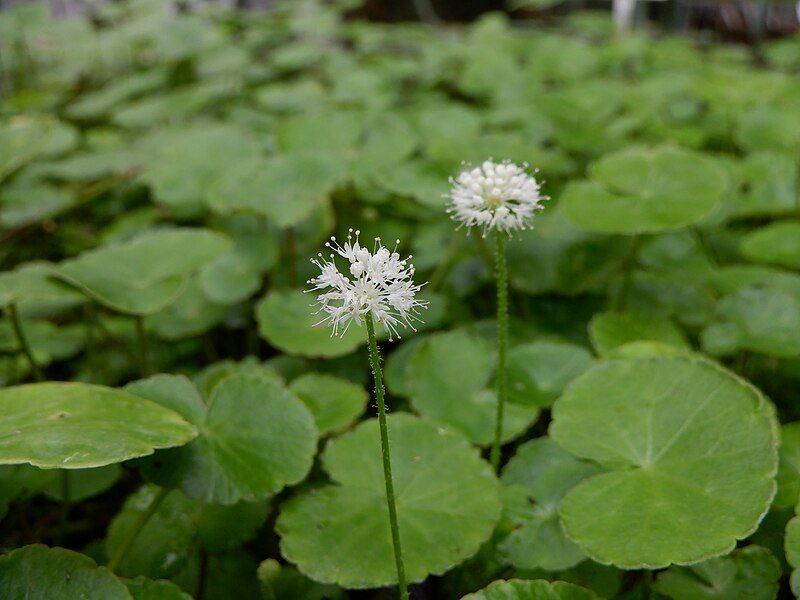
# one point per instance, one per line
(736, 19)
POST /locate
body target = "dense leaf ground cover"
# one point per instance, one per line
(164, 179)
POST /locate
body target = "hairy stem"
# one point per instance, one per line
(375, 362)
(144, 517)
(502, 342)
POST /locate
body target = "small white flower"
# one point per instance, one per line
(381, 284)
(495, 196)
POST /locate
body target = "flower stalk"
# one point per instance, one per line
(377, 287)
(502, 344)
(498, 198)
(375, 362)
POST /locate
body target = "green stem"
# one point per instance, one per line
(375, 362)
(16, 323)
(63, 520)
(144, 517)
(620, 300)
(144, 352)
(502, 342)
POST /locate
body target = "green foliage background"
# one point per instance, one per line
(164, 179)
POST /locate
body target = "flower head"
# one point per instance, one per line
(495, 196)
(379, 283)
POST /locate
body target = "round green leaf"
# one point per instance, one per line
(645, 191)
(230, 278)
(192, 313)
(447, 506)
(450, 381)
(690, 452)
(26, 204)
(611, 330)
(335, 403)
(146, 274)
(35, 293)
(77, 426)
(777, 244)
(207, 379)
(751, 573)
(255, 437)
(538, 589)
(792, 547)
(182, 163)
(286, 189)
(26, 137)
(287, 320)
(538, 372)
(40, 572)
(536, 479)
(48, 342)
(765, 320)
(789, 469)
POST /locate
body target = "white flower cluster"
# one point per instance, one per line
(381, 284)
(495, 196)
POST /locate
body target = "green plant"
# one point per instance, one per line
(172, 422)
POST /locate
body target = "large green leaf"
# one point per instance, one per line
(48, 573)
(255, 437)
(146, 274)
(287, 320)
(447, 506)
(751, 573)
(536, 479)
(690, 452)
(645, 191)
(450, 381)
(78, 425)
(519, 589)
(777, 243)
